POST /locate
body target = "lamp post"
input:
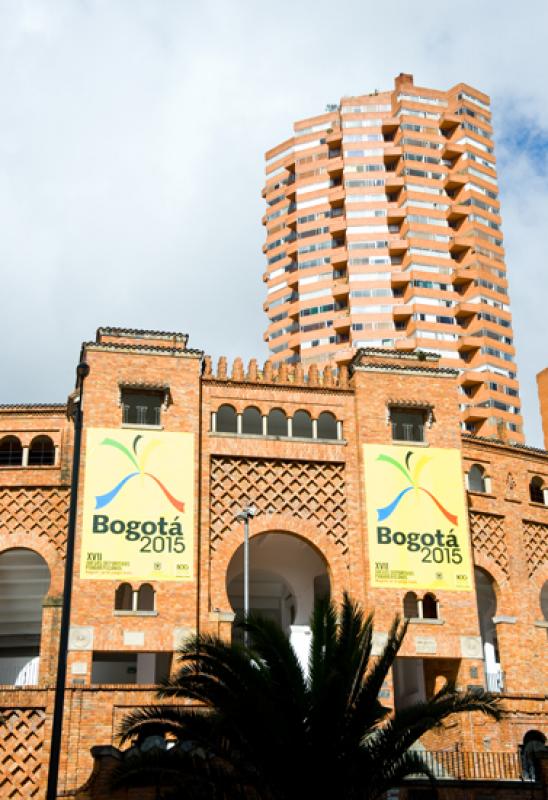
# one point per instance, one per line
(244, 516)
(82, 371)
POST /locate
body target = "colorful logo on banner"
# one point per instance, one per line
(416, 518)
(103, 500)
(413, 478)
(138, 517)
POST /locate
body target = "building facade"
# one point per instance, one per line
(172, 449)
(383, 229)
(542, 384)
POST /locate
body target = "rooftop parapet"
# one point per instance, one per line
(284, 375)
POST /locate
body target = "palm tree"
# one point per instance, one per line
(272, 733)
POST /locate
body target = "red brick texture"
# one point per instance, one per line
(312, 489)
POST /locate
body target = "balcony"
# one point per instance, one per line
(390, 125)
(340, 287)
(477, 413)
(292, 278)
(398, 246)
(393, 182)
(464, 310)
(449, 123)
(402, 311)
(335, 137)
(468, 344)
(339, 256)
(455, 181)
(392, 153)
(337, 223)
(395, 215)
(460, 244)
(335, 166)
(341, 320)
(470, 379)
(459, 765)
(457, 214)
(400, 280)
(451, 150)
(335, 194)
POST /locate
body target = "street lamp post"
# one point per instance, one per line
(82, 371)
(244, 516)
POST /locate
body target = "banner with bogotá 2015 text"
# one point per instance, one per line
(416, 517)
(138, 517)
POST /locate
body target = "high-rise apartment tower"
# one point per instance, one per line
(384, 230)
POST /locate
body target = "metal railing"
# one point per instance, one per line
(459, 765)
(408, 432)
(19, 671)
(494, 681)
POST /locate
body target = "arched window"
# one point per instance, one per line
(429, 606)
(410, 606)
(544, 600)
(533, 742)
(252, 421)
(476, 479)
(536, 490)
(24, 581)
(327, 426)
(123, 597)
(145, 598)
(486, 599)
(11, 452)
(277, 423)
(41, 452)
(302, 424)
(226, 419)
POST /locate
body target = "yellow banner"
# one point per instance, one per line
(138, 518)
(416, 518)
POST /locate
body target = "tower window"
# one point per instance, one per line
(141, 407)
(537, 490)
(407, 424)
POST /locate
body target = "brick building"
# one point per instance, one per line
(383, 229)
(542, 383)
(297, 442)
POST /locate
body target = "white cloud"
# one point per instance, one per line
(132, 136)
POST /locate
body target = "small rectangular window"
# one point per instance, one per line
(130, 667)
(407, 424)
(141, 407)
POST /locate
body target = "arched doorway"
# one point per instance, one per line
(487, 609)
(286, 576)
(24, 581)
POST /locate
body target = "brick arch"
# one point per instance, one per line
(274, 523)
(537, 581)
(44, 548)
(500, 581)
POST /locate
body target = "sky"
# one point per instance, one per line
(132, 141)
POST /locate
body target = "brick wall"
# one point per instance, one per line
(309, 488)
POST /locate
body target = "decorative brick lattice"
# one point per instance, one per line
(311, 491)
(39, 512)
(488, 538)
(535, 536)
(21, 749)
